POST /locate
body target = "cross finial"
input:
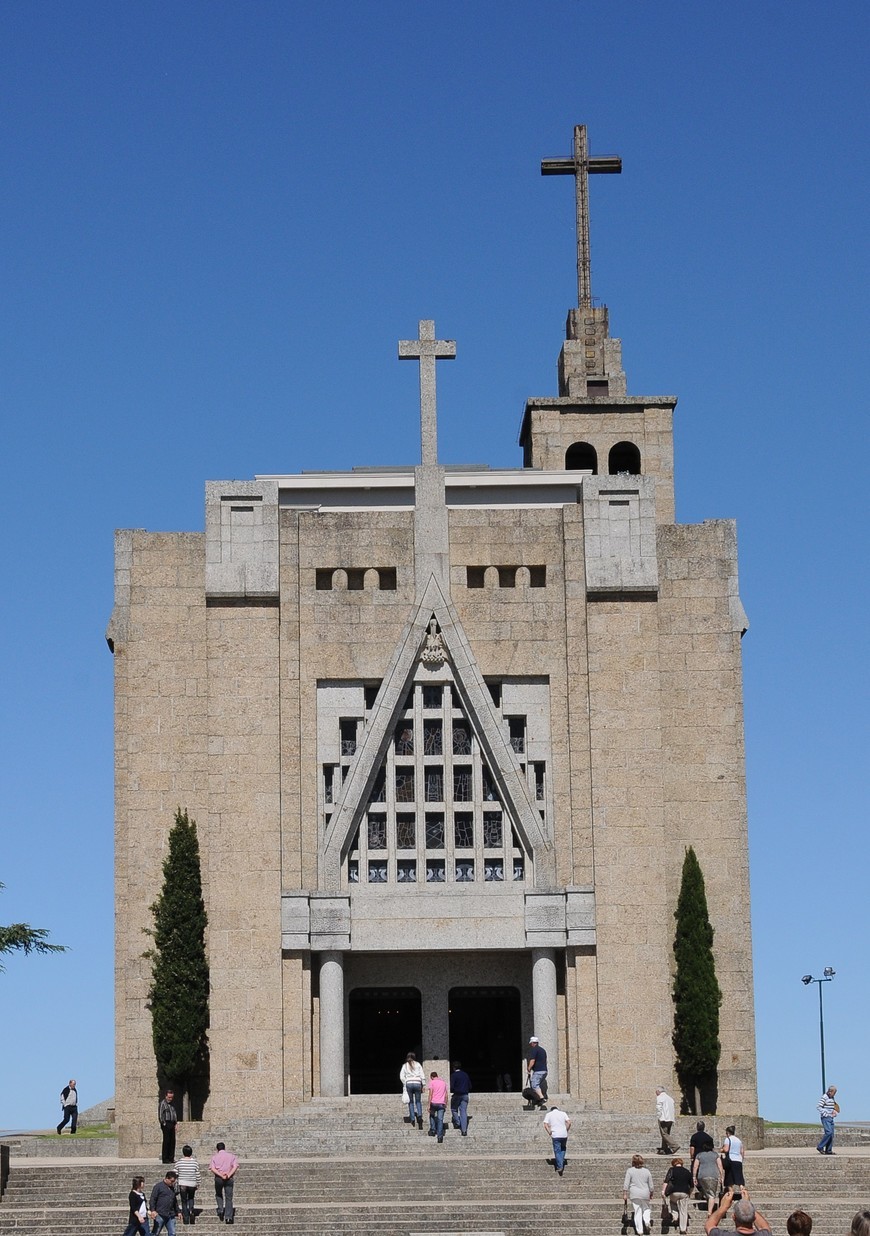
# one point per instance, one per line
(427, 349)
(580, 166)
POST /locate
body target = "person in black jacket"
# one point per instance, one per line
(69, 1101)
(676, 1190)
(163, 1206)
(168, 1117)
(138, 1209)
(460, 1089)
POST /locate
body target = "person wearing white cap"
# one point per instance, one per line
(536, 1069)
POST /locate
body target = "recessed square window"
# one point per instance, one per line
(517, 731)
(434, 832)
(406, 832)
(377, 832)
(432, 697)
(323, 580)
(475, 576)
(433, 779)
(433, 738)
(435, 871)
(493, 831)
(404, 738)
(404, 785)
(406, 871)
(378, 871)
(464, 870)
(463, 831)
(493, 870)
(461, 738)
(462, 783)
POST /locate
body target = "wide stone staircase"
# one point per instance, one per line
(353, 1168)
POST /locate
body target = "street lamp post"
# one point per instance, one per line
(827, 975)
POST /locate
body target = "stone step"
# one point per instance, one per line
(513, 1217)
(470, 1175)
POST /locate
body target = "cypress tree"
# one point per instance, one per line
(178, 998)
(696, 995)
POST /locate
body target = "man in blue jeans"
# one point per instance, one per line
(163, 1206)
(557, 1123)
(460, 1089)
(828, 1109)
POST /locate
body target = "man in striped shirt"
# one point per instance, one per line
(828, 1109)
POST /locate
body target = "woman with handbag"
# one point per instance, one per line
(732, 1161)
(637, 1188)
(412, 1078)
(676, 1192)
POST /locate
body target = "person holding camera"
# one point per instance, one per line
(746, 1218)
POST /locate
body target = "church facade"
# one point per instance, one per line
(446, 733)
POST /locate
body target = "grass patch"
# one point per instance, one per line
(782, 1124)
(96, 1130)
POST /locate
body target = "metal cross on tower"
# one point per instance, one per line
(427, 349)
(580, 166)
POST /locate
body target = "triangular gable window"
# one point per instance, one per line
(434, 815)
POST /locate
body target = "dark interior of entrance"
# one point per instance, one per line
(385, 1023)
(485, 1035)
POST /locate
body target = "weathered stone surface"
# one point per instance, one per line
(452, 730)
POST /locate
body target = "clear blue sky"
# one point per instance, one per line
(217, 220)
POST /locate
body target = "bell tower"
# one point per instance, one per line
(594, 427)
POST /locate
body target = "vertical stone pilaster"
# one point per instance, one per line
(332, 1025)
(544, 999)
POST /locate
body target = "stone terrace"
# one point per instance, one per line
(356, 1170)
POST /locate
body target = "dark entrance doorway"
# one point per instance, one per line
(385, 1023)
(485, 1035)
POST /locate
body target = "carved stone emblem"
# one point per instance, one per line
(433, 653)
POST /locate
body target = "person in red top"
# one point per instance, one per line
(437, 1102)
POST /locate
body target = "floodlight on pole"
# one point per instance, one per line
(827, 974)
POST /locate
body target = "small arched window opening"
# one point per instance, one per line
(582, 456)
(624, 457)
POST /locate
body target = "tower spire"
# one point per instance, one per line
(581, 166)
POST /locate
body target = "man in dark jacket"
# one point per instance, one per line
(69, 1101)
(163, 1206)
(168, 1117)
(460, 1089)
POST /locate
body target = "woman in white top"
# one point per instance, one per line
(412, 1078)
(732, 1160)
(637, 1188)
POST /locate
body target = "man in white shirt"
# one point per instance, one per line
(557, 1123)
(665, 1113)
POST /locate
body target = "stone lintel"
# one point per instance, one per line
(377, 920)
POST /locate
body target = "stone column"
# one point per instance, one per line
(332, 1025)
(544, 1002)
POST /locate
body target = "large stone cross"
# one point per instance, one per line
(427, 349)
(580, 166)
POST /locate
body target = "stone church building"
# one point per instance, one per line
(446, 733)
